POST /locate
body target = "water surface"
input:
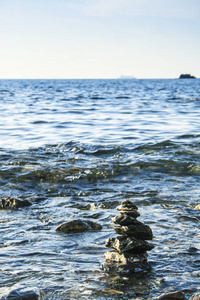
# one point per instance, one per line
(77, 148)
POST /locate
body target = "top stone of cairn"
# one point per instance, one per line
(127, 206)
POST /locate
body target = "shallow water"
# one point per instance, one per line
(77, 148)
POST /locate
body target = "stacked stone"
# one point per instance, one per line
(130, 247)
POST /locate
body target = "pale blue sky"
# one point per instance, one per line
(99, 38)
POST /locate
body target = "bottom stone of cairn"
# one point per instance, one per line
(130, 248)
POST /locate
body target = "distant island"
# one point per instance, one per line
(186, 76)
(126, 77)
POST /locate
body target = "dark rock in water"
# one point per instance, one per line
(124, 244)
(125, 269)
(78, 226)
(125, 264)
(131, 213)
(116, 257)
(186, 76)
(125, 219)
(118, 268)
(177, 295)
(13, 203)
(138, 231)
(22, 295)
(127, 206)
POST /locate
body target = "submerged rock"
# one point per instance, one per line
(119, 268)
(78, 226)
(177, 295)
(116, 257)
(13, 203)
(123, 244)
(22, 295)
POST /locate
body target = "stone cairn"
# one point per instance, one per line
(130, 247)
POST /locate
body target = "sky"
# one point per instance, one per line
(99, 38)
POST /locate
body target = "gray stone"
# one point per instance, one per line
(123, 244)
(78, 226)
(130, 248)
(22, 295)
(177, 295)
(138, 231)
(125, 258)
(13, 203)
(125, 219)
(118, 268)
(127, 206)
(132, 213)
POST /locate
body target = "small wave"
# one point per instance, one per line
(99, 151)
(122, 97)
(188, 136)
(191, 99)
(39, 122)
(158, 146)
(97, 98)
(4, 91)
(183, 98)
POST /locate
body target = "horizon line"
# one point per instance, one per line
(98, 78)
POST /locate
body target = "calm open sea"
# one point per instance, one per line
(76, 149)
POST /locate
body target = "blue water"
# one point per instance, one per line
(77, 148)
(38, 112)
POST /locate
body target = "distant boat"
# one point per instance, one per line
(183, 76)
(126, 77)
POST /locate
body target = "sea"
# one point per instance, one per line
(76, 149)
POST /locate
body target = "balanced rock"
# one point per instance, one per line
(130, 247)
(126, 219)
(138, 231)
(78, 226)
(13, 203)
(119, 268)
(131, 244)
(116, 257)
(125, 263)
(127, 206)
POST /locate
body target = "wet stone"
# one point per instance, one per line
(133, 213)
(22, 295)
(127, 206)
(124, 244)
(177, 295)
(138, 231)
(130, 247)
(13, 203)
(116, 257)
(119, 268)
(125, 219)
(78, 226)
